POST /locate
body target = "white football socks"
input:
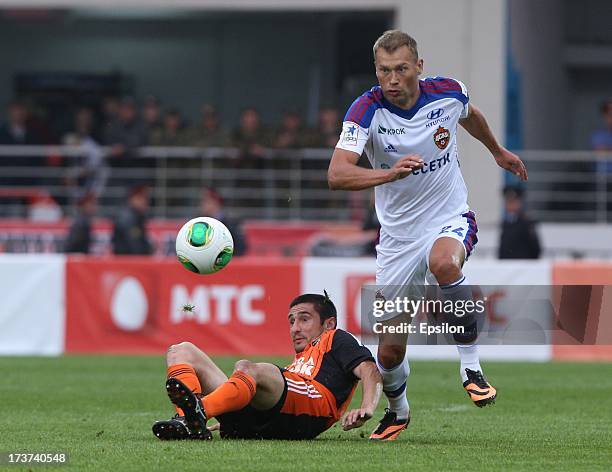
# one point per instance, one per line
(394, 387)
(460, 290)
(469, 359)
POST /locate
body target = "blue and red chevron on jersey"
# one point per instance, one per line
(363, 108)
(440, 83)
(441, 87)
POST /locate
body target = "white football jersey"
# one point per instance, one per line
(409, 207)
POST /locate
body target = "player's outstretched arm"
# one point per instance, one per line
(476, 124)
(372, 389)
(345, 174)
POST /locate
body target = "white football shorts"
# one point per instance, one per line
(402, 267)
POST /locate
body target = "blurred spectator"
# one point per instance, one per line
(110, 109)
(79, 235)
(327, 132)
(172, 133)
(90, 176)
(601, 143)
(291, 133)
(16, 129)
(38, 124)
(325, 135)
(209, 133)
(151, 115)
(601, 139)
(212, 205)
(130, 232)
(519, 238)
(251, 137)
(126, 132)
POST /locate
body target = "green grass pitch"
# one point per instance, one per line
(100, 409)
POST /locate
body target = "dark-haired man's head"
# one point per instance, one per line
(250, 120)
(606, 112)
(17, 114)
(128, 111)
(513, 199)
(151, 111)
(211, 203)
(172, 121)
(138, 198)
(310, 315)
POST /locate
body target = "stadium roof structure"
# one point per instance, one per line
(294, 5)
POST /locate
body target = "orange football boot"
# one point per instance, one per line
(389, 427)
(481, 392)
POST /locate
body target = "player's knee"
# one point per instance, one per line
(247, 367)
(446, 270)
(181, 353)
(391, 356)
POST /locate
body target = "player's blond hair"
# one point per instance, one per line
(391, 40)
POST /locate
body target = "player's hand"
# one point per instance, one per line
(512, 163)
(405, 166)
(356, 418)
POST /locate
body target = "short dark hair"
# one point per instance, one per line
(212, 194)
(321, 303)
(173, 112)
(513, 191)
(391, 40)
(138, 190)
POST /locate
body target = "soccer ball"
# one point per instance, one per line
(204, 245)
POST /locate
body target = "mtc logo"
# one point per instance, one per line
(221, 301)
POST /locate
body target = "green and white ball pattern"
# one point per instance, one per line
(204, 245)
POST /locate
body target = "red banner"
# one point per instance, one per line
(143, 305)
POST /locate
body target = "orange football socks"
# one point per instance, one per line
(186, 374)
(232, 395)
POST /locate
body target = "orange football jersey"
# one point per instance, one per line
(327, 365)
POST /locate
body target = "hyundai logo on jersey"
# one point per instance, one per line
(434, 114)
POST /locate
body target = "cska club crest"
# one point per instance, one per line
(441, 137)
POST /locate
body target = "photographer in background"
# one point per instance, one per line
(80, 234)
(129, 229)
(601, 139)
(519, 238)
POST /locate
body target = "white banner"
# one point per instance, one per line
(32, 307)
(494, 272)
